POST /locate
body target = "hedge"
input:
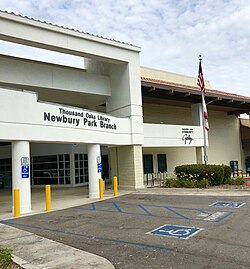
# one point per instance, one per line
(214, 174)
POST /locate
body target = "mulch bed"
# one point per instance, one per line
(230, 187)
(11, 266)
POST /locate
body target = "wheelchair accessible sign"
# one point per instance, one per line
(182, 232)
(25, 171)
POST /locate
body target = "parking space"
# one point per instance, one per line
(158, 211)
(146, 231)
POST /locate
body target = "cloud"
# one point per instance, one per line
(172, 33)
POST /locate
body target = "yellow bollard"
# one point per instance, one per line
(48, 198)
(103, 186)
(115, 183)
(101, 189)
(16, 203)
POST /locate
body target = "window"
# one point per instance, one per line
(162, 162)
(51, 169)
(81, 168)
(148, 163)
(6, 172)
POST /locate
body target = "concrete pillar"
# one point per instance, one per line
(199, 155)
(72, 166)
(197, 120)
(21, 149)
(197, 114)
(130, 167)
(94, 155)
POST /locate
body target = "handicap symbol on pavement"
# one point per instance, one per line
(228, 204)
(176, 231)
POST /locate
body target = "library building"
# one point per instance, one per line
(69, 126)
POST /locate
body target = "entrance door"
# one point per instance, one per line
(105, 167)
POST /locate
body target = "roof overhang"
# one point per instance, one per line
(163, 92)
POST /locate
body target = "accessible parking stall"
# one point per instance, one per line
(142, 231)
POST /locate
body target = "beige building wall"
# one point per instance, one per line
(165, 114)
(224, 136)
(126, 164)
(224, 139)
(175, 157)
(171, 77)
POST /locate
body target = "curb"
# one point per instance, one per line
(24, 264)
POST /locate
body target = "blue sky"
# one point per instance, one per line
(171, 33)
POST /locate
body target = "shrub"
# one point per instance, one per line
(5, 257)
(227, 172)
(169, 182)
(214, 174)
(202, 183)
(185, 183)
(235, 181)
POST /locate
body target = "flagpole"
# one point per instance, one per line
(203, 118)
(204, 130)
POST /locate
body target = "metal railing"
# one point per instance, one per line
(155, 179)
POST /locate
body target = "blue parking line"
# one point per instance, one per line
(145, 210)
(169, 208)
(177, 213)
(118, 209)
(93, 206)
(89, 236)
(127, 213)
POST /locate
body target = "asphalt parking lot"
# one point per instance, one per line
(153, 231)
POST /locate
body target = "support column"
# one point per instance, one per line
(197, 120)
(130, 167)
(21, 149)
(72, 166)
(199, 155)
(94, 155)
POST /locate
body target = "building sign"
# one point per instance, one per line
(176, 231)
(99, 164)
(99, 168)
(25, 161)
(187, 135)
(81, 119)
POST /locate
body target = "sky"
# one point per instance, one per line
(171, 33)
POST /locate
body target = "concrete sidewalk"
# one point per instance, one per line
(230, 191)
(61, 198)
(32, 252)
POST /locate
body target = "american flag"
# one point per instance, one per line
(200, 80)
(201, 84)
(206, 126)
